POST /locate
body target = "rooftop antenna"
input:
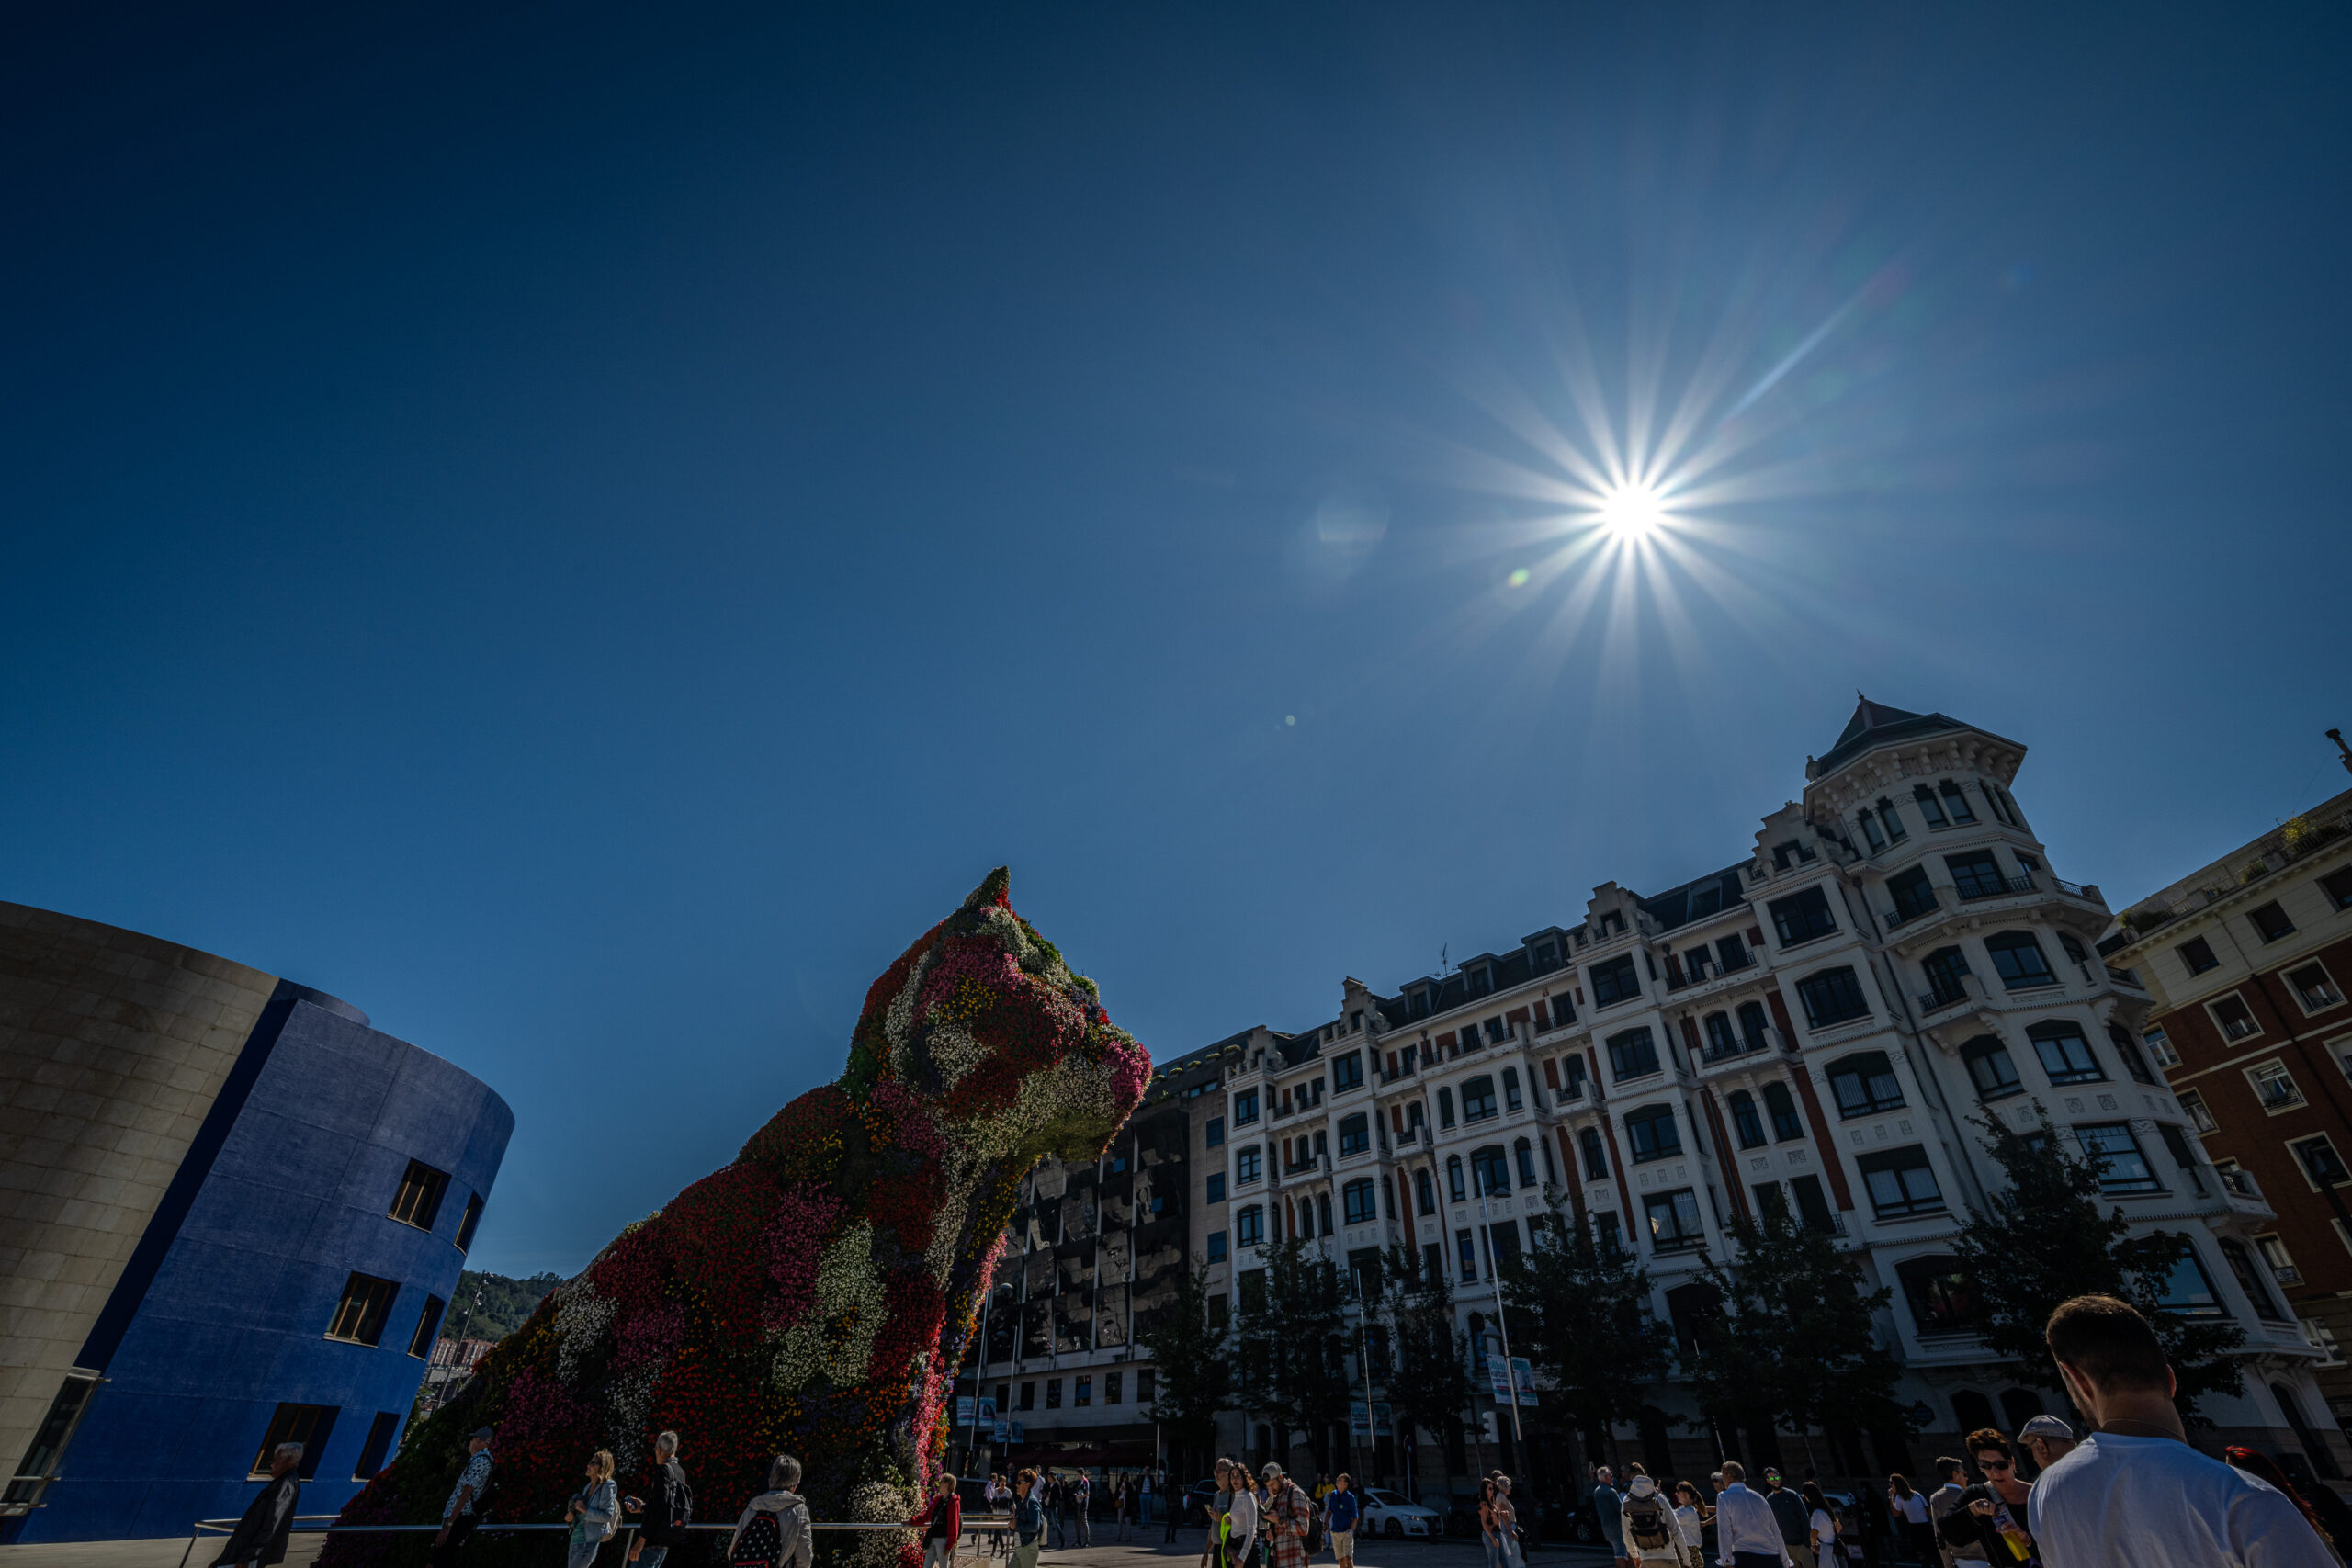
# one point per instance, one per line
(2338, 736)
(1443, 948)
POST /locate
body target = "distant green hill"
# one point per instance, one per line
(504, 1304)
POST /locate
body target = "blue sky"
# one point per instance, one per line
(583, 530)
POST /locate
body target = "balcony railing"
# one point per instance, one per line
(2129, 977)
(1895, 917)
(1999, 889)
(1713, 1051)
(2239, 1184)
(1713, 970)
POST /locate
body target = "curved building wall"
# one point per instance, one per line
(274, 1281)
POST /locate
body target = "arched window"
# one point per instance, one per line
(2020, 1405)
(1445, 1108)
(1524, 1152)
(1425, 1192)
(1745, 1122)
(1453, 1178)
(1511, 1101)
(1355, 1200)
(1323, 1211)
(1595, 1158)
(1781, 1107)
(1989, 1068)
(1947, 969)
(1650, 1132)
(2065, 1054)
(1972, 1411)
(1487, 1165)
(1751, 1026)
(1721, 1040)
(1864, 1084)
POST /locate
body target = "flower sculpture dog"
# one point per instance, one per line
(816, 1296)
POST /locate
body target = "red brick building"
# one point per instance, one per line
(2249, 961)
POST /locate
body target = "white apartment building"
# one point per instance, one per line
(1809, 1027)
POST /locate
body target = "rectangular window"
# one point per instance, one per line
(1865, 1085)
(1245, 1108)
(1146, 1384)
(2338, 886)
(2274, 1086)
(1250, 1226)
(2313, 988)
(1955, 802)
(428, 1329)
(1355, 1135)
(1976, 874)
(1770, 1199)
(2197, 954)
(1083, 1391)
(2159, 1046)
(1478, 1099)
(2271, 922)
(1674, 1220)
(1892, 820)
(1802, 915)
(1832, 996)
(1347, 1072)
(1606, 1236)
(2193, 1105)
(1930, 806)
(2019, 960)
(1113, 1389)
(1246, 1165)
(1053, 1394)
(309, 1425)
(2322, 1339)
(1217, 1187)
(2189, 1292)
(1900, 1182)
(1989, 1068)
(1870, 835)
(1651, 1134)
(1731, 951)
(1813, 1207)
(2127, 1169)
(466, 1226)
(1632, 1054)
(1028, 1396)
(1615, 981)
(2065, 1054)
(2235, 1018)
(1913, 895)
(418, 1202)
(2320, 1164)
(379, 1444)
(359, 1315)
(2176, 1145)
(1216, 1246)
(1355, 1200)
(1467, 1244)
(1215, 1136)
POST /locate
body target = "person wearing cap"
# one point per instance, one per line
(1289, 1517)
(2047, 1439)
(458, 1517)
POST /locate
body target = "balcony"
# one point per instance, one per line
(2239, 1191)
(1713, 971)
(1711, 1052)
(2127, 978)
(2000, 889)
(1893, 917)
(1962, 990)
(1409, 1136)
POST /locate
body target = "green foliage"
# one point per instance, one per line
(1429, 1385)
(1291, 1341)
(2048, 1239)
(1791, 1335)
(1195, 1364)
(505, 1303)
(1581, 1313)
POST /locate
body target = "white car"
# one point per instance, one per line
(1389, 1513)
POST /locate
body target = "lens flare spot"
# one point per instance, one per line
(1518, 579)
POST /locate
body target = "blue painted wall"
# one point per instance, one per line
(234, 1320)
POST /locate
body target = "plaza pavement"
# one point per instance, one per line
(1104, 1554)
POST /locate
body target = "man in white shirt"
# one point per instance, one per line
(1746, 1532)
(2134, 1491)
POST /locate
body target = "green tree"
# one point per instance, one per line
(1291, 1339)
(2050, 1237)
(1581, 1312)
(1429, 1383)
(1792, 1336)
(1192, 1358)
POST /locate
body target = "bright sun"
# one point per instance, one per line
(1632, 511)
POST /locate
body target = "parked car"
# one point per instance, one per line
(1197, 1498)
(1392, 1515)
(1562, 1521)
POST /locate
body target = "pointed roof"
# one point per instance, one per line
(1875, 723)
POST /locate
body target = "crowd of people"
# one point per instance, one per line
(2131, 1490)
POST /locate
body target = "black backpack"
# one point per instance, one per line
(758, 1543)
(1646, 1521)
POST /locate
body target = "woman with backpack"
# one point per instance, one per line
(772, 1531)
(1028, 1520)
(593, 1513)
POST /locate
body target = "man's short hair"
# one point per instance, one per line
(667, 1443)
(947, 1478)
(784, 1474)
(2109, 1343)
(282, 1449)
(1986, 1438)
(1950, 1468)
(1733, 1471)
